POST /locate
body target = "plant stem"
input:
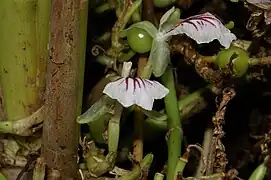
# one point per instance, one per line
(124, 17)
(113, 132)
(158, 176)
(260, 61)
(83, 40)
(136, 172)
(180, 167)
(136, 17)
(23, 53)
(138, 136)
(188, 106)
(206, 152)
(60, 131)
(138, 120)
(174, 123)
(39, 170)
(102, 8)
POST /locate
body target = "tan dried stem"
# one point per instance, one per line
(217, 161)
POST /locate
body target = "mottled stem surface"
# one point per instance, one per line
(60, 133)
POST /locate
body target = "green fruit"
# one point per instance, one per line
(235, 56)
(163, 3)
(139, 40)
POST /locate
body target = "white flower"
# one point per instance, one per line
(130, 91)
(203, 28)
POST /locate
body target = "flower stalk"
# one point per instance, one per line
(174, 123)
(138, 120)
(113, 133)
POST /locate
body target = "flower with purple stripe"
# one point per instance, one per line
(135, 91)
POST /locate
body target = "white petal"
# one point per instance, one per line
(130, 91)
(143, 99)
(204, 28)
(155, 89)
(165, 17)
(121, 90)
(126, 68)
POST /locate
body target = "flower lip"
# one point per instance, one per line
(203, 28)
(130, 91)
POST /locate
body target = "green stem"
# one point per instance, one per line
(174, 123)
(180, 166)
(102, 8)
(260, 61)
(188, 106)
(158, 176)
(114, 129)
(136, 17)
(105, 37)
(137, 171)
(83, 43)
(138, 135)
(121, 23)
(136, 4)
(105, 60)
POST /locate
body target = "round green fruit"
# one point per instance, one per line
(235, 56)
(139, 40)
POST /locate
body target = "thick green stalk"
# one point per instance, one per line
(174, 123)
(113, 131)
(83, 43)
(23, 54)
(43, 17)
